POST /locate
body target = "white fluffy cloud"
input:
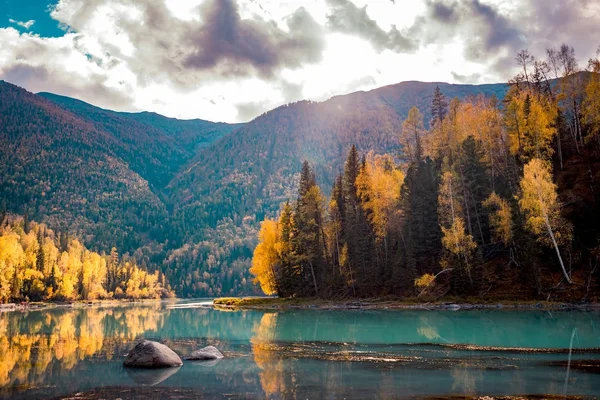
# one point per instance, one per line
(24, 24)
(231, 60)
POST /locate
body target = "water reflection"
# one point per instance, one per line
(150, 377)
(33, 344)
(266, 356)
(302, 353)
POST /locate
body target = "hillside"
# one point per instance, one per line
(95, 172)
(186, 196)
(155, 146)
(251, 171)
(247, 175)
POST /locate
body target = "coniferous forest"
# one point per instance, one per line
(498, 198)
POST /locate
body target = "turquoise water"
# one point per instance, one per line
(301, 353)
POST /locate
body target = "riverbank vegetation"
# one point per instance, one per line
(37, 263)
(495, 198)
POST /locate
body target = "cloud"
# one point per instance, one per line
(345, 17)
(219, 43)
(231, 60)
(487, 36)
(53, 65)
(469, 79)
(233, 44)
(549, 24)
(481, 26)
(26, 24)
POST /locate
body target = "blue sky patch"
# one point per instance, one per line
(18, 14)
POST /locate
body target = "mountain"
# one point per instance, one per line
(248, 174)
(254, 170)
(97, 172)
(155, 146)
(186, 196)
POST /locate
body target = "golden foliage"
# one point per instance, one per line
(266, 256)
(379, 184)
(456, 239)
(500, 218)
(425, 281)
(591, 103)
(539, 202)
(76, 273)
(530, 124)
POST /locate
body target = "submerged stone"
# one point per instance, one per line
(206, 353)
(149, 354)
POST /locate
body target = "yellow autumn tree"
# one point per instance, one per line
(529, 120)
(500, 218)
(11, 257)
(455, 238)
(265, 257)
(379, 184)
(591, 102)
(413, 136)
(539, 202)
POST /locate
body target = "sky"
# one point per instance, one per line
(232, 60)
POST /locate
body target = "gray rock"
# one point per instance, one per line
(206, 353)
(148, 354)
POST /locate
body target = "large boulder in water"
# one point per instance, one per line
(149, 354)
(206, 353)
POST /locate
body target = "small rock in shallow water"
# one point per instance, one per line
(148, 354)
(206, 353)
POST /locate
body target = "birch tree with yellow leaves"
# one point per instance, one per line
(540, 204)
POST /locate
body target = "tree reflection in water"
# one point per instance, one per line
(34, 345)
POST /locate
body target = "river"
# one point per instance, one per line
(62, 352)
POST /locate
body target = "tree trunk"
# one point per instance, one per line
(312, 271)
(562, 265)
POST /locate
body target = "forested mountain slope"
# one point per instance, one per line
(251, 171)
(186, 196)
(153, 145)
(95, 172)
(248, 174)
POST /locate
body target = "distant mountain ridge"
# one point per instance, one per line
(186, 195)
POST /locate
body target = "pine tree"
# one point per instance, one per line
(358, 235)
(439, 107)
(421, 230)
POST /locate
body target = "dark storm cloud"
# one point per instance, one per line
(483, 29)
(225, 37)
(488, 37)
(493, 38)
(442, 12)
(345, 17)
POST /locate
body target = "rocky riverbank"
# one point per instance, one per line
(274, 303)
